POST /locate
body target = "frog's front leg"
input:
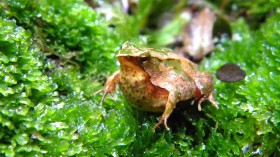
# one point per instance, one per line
(109, 86)
(170, 105)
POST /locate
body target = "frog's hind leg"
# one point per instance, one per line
(109, 86)
(170, 105)
(210, 98)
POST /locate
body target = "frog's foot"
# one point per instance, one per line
(170, 105)
(109, 86)
(162, 120)
(209, 98)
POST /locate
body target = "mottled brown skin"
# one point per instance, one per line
(156, 80)
(135, 84)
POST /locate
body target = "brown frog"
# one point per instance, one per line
(156, 80)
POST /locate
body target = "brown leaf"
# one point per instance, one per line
(198, 37)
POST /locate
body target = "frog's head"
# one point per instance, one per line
(133, 56)
(129, 50)
(136, 56)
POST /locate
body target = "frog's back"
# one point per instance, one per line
(166, 55)
(169, 74)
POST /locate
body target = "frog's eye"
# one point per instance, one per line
(143, 59)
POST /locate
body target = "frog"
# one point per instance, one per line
(155, 80)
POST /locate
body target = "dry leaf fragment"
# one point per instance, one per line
(198, 37)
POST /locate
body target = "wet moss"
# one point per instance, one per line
(55, 54)
(52, 56)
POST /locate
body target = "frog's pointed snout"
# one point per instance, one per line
(126, 44)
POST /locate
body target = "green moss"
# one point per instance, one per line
(47, 105)
(54, 56)
(249, 110)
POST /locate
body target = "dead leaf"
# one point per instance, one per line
(198, 36)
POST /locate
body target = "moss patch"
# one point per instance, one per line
(55, 54)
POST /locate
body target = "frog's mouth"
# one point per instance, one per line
(133, 61)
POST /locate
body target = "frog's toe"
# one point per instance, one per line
(103, 98)
(212, 100)
(165, 124)
(158, 124)
(209, 98)
(164, 121)
(98, 92)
